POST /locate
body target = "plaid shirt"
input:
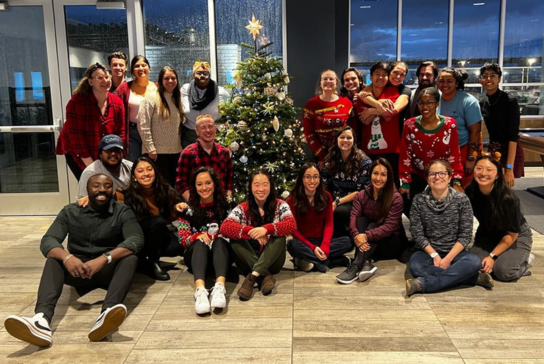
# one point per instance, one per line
(85, 126)
(194, 157)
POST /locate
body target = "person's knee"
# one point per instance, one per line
(131, 260)
(417, 264)
(473, 261)
(506, 273)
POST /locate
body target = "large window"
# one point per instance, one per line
(232, 18)
(176, 35)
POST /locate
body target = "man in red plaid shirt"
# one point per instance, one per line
(205, 152)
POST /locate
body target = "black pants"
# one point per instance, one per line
(388, 248)
(199, 254)
(188, 136)
(159, 240)
(416, 187)
(76, 170)
(341, 218)
(116, 277)
(167, 164)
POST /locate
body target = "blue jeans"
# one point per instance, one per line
(463, 271)
(339, 246)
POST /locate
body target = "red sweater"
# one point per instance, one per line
(321, 120)
(238, 224)
(418, 147)
(314, 225)
(381, 137)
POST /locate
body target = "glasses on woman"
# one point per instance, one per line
(492, 76)
(102, 78)
(439, 174)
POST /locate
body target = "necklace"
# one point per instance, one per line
(498, 95)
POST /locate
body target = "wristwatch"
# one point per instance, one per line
(493, 256)
(434, 255)
(337, 201)
(509, 166)
(108, 257)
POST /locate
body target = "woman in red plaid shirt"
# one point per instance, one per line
(91, 113)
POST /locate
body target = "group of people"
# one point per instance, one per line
(374, 156)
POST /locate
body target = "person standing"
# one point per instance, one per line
(118, 67)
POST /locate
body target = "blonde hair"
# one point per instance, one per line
(83, 88)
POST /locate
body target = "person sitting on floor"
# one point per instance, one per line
(111, 163)
(375, 223)
(257, 228)
(503, 239)
(199, 234)
(441, 224)
(312, 244)
(103, 239)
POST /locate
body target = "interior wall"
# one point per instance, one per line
(317, 39)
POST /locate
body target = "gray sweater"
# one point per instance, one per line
(441, 223)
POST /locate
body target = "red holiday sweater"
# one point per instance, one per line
(321, 120)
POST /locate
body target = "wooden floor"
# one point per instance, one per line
(309, 318)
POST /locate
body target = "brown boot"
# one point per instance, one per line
(268, 284)
(246, 290)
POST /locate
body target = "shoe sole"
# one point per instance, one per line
(366, 275)
(215, 305)
(112, 320)
(344, 281)
(203, 312)
(23, 330)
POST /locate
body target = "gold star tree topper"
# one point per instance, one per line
(254, 27)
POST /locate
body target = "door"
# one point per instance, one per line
(33, 180)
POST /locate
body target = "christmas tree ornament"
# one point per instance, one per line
(288, 133)
(289, 101)
(254, 27)
(276, 123)
(237, 100)
(241, 125)
(264, 137)
(269, 91)
(234, 146)
(280, 95)
(268, 76)
(271, 167)
(243, 159)
(286, 78)
(285, 194)
(268, 108)
(238, 80)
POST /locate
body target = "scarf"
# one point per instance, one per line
(199, 102)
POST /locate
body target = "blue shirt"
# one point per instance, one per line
(465, 109)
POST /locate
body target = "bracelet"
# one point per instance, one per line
(66, 258)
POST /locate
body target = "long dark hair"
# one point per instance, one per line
(135, 60)
(298, 194)
(219, 198)
(164, 109)
(269, 205)
(333, 158)
(502, 199)
(165, 196)
(385, 196)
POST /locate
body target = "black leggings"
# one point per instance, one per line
(199, 254)
(388, 248)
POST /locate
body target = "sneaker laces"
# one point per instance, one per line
(219, 288)
(201, 295)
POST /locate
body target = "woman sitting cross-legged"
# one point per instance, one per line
(441, 224)
(257, 229)
(199, 234)
(155, 205)
(375, 223)
(503, 240)
(345, 172)
(312, 244)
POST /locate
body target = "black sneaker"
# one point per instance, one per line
(348, 276)
(33, 330)
(108, 321)
(368, 271)
(342, 261)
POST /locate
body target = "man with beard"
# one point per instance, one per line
(111, 163)
(103, 239)
(201, 96)
(426, 73)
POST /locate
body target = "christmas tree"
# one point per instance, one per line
(261, 126)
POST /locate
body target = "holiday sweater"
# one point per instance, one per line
(364, 205)
(238, 224)
(418, 147)
(339, 184)
(381, 136)
(322, 120)
(190, 227)
(314, 225)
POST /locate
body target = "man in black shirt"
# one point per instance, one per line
(103, 239)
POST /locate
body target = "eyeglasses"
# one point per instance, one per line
(441, 174)
(492, 76)
(170, 79)
(112, 151)
(308, 177)
(202, 73)
(101, 78)
(426, 103)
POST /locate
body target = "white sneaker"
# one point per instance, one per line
(202, 304)
(34, 330)
(217, 296)
(107, 322)
(530, 259)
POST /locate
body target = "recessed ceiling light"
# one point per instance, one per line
(365, 6)
(478, 4)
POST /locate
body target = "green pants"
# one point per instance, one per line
(269, 261)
